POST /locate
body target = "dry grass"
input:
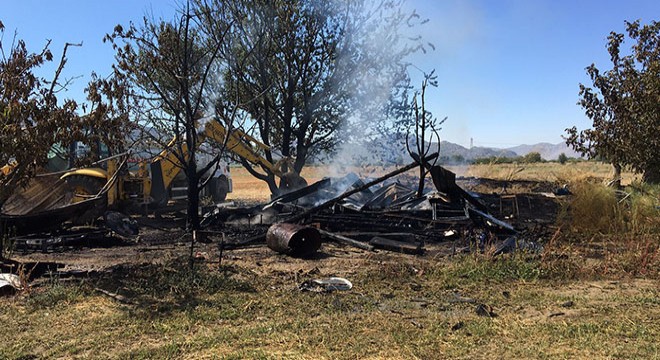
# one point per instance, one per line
(401, 307)
(622, 229)
(568, 173)
(248, 187)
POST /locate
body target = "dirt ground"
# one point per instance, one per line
(158, 246)
(162, 238)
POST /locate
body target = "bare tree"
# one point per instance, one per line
(425, 130)
(169, 65)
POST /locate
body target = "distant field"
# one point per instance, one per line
(567, 173)
(246, 187)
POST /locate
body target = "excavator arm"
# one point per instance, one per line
(243, 145)
(7, 169)
(165, 166)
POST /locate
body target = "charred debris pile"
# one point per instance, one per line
(386, 213)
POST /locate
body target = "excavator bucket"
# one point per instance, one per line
(291, 181)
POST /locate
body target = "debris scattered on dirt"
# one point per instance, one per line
(121, 224)
(485, 310)
(555, 314)
(326, 285)
(568, 304)
(9, 284)
(457, 298)
(121, 298)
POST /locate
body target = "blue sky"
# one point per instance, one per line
(508, 70)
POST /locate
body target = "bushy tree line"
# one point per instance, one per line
(530, 158)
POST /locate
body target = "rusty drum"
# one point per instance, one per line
(292, 239)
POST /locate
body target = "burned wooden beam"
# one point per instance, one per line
(443, 221)
(398, 246)
(357, 190)
(445, 181)
(345, 222)
(369, 234)
(347, 241)
(297, 194)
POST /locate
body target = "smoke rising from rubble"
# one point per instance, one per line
(362, 144)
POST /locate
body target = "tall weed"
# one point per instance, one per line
(644, 207)
(618, 230)
(593, 209)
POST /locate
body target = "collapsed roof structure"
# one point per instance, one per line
(385, 213)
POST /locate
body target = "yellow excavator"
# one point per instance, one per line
(5, 170)
(155, 186)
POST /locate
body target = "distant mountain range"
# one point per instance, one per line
(548, 151)
(390, 150)
(451, 150)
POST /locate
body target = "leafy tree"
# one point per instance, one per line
(33, 119)
(168, 66)
(624, 104)
(532, 157)
(304, 69)
(562, 158)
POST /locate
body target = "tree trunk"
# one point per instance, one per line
(268, 178)
(616, 175)
(193, 222)
(301, 159)
(422, 174)
(193, 209)
(272, 185)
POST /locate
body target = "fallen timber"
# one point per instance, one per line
(345, 209)
(345, 195)
(345, 240)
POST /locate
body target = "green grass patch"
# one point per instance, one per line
(54, 294)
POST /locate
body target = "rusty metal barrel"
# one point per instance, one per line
(292, 239)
